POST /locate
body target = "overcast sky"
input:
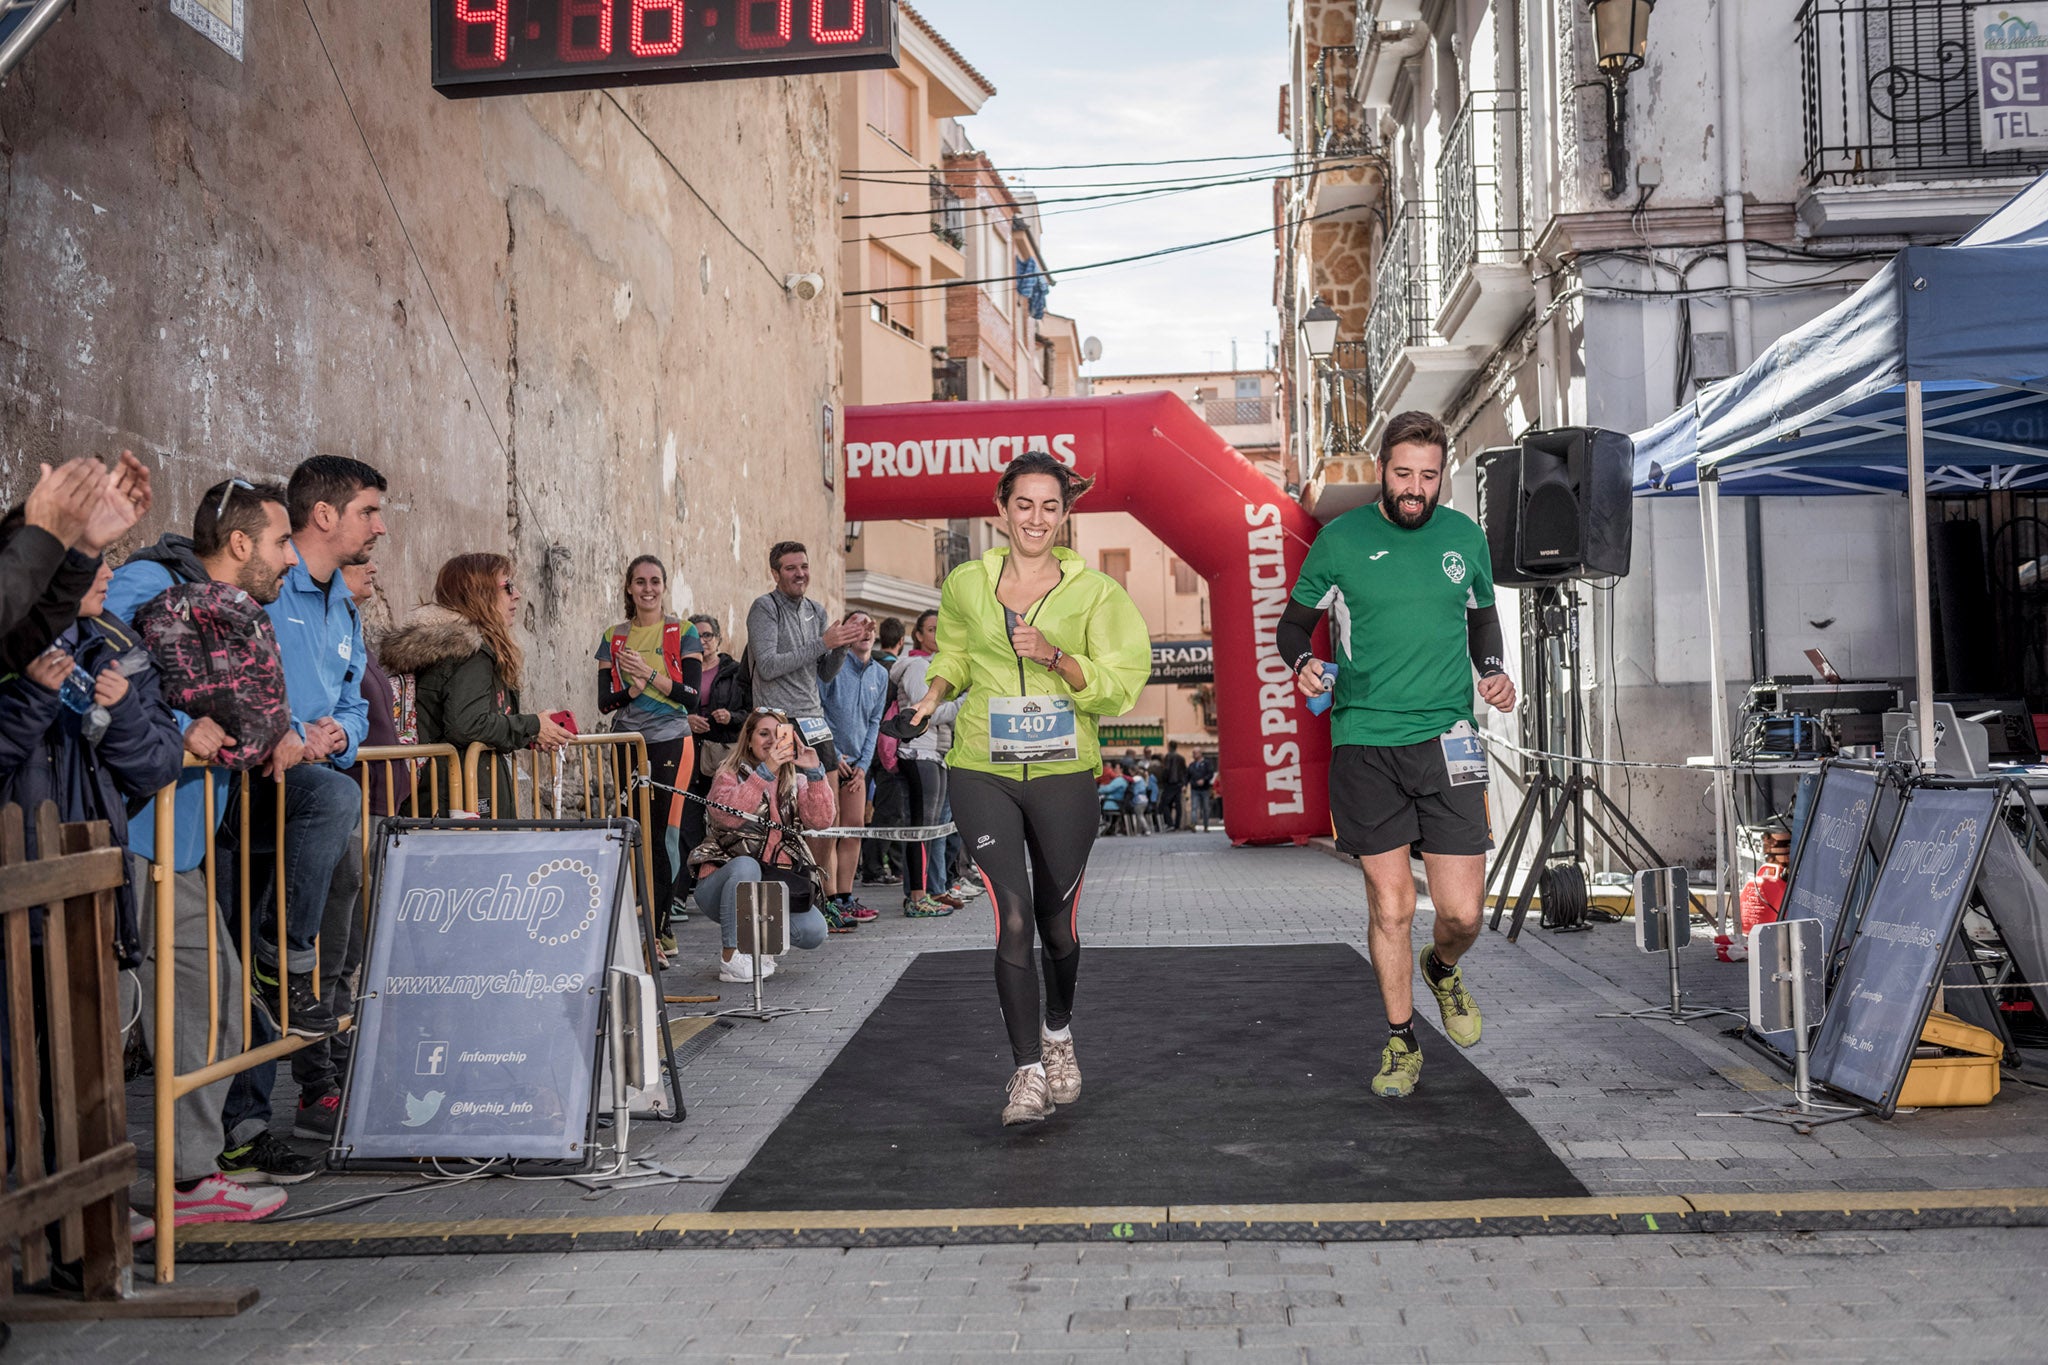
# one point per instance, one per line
(1140, 80)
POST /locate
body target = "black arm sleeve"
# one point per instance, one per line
(1297, 624)
(1483, 640)
(690, 684)
(609, 698)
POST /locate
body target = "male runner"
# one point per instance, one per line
(1410, 589)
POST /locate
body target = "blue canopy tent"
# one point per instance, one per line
(1933, 376)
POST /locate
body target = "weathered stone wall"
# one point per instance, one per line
(1343, 264)
(551, 346)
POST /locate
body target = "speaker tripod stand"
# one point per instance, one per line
(1561, 802)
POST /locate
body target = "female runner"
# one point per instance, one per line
(1041, 645)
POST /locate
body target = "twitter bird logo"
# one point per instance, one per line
(420, 1111)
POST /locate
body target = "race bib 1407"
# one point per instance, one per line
(1032, 730)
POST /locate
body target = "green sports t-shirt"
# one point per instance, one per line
(1396, 601)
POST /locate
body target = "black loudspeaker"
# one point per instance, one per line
(1500, 502)
(1558, 506)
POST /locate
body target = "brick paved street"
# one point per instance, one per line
(1616, 1099)
(1947, 1296)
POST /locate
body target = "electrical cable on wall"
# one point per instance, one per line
(433, 296)
(669, 162)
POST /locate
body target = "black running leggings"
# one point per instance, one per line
(1053, 820)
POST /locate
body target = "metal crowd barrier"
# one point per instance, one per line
(593, 777)
(401, 767)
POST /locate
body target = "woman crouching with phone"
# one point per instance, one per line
(773, 777)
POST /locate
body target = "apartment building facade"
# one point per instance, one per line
(1553, 241)
(905, 231)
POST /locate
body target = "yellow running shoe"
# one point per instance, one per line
(1400, 1069)
(1454, 1002)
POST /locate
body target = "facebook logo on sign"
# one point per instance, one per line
(433, 1060)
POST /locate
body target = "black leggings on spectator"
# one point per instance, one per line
(1031, 841)
(663, 758)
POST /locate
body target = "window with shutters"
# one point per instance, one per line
(1186, 582)
(1117, 564)
(896, 310)
(892, 107)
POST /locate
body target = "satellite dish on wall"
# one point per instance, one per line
(1091, 349)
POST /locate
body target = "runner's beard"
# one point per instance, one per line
(1408, 519)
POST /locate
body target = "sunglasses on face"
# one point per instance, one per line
(507, 588)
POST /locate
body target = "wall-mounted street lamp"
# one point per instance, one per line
(1319, 329)
(1621, 37)
(1621, 33)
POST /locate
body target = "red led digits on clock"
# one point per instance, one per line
(636, 36)
(753, 39)
(852, 33)
(598, 10)
(469, 16)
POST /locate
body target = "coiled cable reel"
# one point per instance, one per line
(1567, 901)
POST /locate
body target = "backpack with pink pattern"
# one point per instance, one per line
(217, 657)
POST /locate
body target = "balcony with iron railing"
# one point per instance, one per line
(1238, 412)
(1893, 137)
(1339, 122)
(949, 216)
(1344, 165)
(1411, 364)
(1403, 293)
(950, 549)
(1341, 469)
(1481, 239)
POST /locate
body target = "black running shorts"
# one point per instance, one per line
(1384, 797)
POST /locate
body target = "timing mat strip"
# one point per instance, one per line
(1797, 1211)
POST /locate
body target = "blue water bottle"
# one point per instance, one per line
(77, 695)
(1321, 701)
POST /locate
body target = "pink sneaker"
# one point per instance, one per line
(217, 1199)
(855, 910)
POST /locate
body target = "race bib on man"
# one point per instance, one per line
(1464, 755)
(814, 730)
(1032, 730)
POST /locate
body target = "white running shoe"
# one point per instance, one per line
(217, 1199)
(1062, 1067)
(1028, 1098)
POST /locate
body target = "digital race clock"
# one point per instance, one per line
(500, 47)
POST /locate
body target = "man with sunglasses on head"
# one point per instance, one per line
(241, 537)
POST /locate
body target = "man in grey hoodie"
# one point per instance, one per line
(791, 645)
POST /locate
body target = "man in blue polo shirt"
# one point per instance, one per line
(337, 507)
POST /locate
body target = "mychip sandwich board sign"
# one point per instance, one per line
(1828, 865)
(482, 1002)
(1895, 956)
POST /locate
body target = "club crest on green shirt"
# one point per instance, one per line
(1454, 566)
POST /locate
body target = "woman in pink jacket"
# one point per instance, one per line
(778, 781)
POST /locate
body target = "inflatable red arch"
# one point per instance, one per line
(1151, 456)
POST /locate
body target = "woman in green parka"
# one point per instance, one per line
(466, 671)
(1041, 645)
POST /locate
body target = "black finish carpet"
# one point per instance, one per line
(1210, 1076)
